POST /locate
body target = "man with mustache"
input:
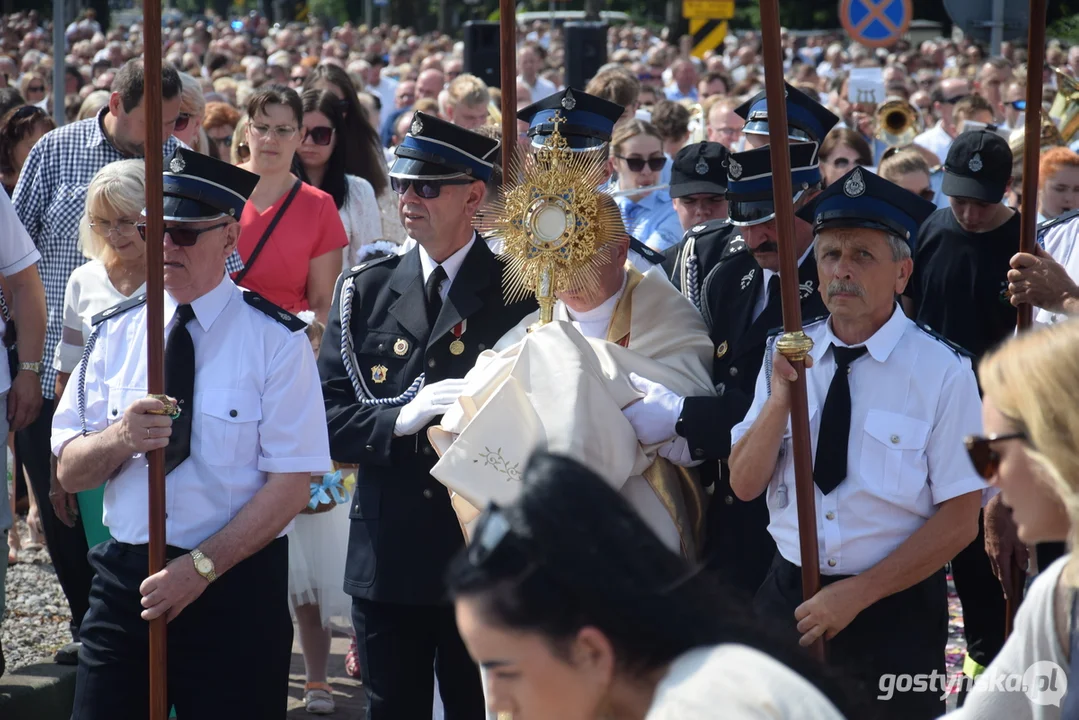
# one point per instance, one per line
(741, 304)
(895, 499)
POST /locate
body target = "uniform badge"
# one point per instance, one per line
(284, 316)
(177, 165)
(805, 289)
(400, 347)
(735, 169)
(569, 102)
(378, 373)
(975, 163)
(855, 184)
(697, 228)
(748, 278)
(721, 350)
(417, 126)
(702, 167)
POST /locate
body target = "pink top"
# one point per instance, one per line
(310, 228)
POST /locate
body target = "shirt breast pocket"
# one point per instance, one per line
(893, 453)
(230, 427)
(119, 400)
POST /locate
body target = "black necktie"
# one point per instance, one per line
(180, 385)
(831, 464)
(431, 294)
(774, 299)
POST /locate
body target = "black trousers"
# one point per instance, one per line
(982, 597)
(400, 648)
(903, 634)
(228, 652)
(67, 545)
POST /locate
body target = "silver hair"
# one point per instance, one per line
(120, 188)
(900, 248)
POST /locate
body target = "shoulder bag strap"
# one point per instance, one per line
(269, 231)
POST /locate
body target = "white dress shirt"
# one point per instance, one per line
(1060, 241)
(543, 87)
(936, 140)
(17, 252)
(257, 409)
(386, 89)
(451, 265)
(913, 400)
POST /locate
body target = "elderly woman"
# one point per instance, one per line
(188, 128)
(109, 237)
(574, 609)
(1030, 452)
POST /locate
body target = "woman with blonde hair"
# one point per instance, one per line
(909, 170)
(116, 271)
(188, 128)
(637, 158)
(1030, 453)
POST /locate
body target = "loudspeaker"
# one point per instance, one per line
(586, 51)
(482, 52)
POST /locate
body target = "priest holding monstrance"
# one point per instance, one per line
(564, 378)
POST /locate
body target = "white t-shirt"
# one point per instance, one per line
(17, 252)
(89, 291)
(361, 218)
(736, 682)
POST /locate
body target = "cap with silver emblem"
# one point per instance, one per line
(198, 188)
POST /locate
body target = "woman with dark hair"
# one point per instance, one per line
(841, 150)
(20, 129)
(290, 232)
(361, 143)
(574, 609)
(331, 164)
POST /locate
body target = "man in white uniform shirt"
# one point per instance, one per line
(938, 139)
(239, 456)
(889, 406)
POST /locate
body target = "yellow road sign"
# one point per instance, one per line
(708, 9)
(707, 35)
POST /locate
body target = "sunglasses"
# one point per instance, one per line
(184, 237)
(1018, 104)
(35, 88)
(319, 135)
(985, 459)
(299, 79)
(426, 189)
(223, 141)
(655, 164)
(493, 529)
(181, 122)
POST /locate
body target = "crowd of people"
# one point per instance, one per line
(329, 307)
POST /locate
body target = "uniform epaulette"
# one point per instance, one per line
(957, 349)
(706, 227)
(357, 269)
(646, 252)
(281, 315)
(805, 323)
(734, 246)
(1059, 219)
(118, 309)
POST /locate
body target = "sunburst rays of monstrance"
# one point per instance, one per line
(555, 225)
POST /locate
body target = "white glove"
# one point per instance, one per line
(677, 451)
(430, 402)
(653, 417)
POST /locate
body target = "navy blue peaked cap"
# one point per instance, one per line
(589, 120)
(750, 190)
(198, 188)
(807, 119)
(861, 199)
(437, 150)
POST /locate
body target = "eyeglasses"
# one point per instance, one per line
(319, 135)
(35, 88)
(184, 237)
(426, 189)
(281, 132)
(181, 122)
(655, 164)
(298, 79)
(954, 100)
(985, 459)
(121, 228)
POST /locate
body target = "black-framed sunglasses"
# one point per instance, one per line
(655, 164)
(184, 237)
(35, 88)
(299, 79)
(426, 189)
(319, 135)
(1018, 104)
(985, 459)
(182, 121)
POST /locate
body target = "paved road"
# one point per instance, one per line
(347, 693)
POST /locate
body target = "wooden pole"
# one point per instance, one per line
(155, 333)
(1032, 134)
(507, 20)
(794, 344)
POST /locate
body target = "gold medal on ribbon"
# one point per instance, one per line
(457, 346)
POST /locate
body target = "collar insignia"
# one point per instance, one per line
(748, 278)
(805, 289)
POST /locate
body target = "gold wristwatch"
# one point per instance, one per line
(203, 565)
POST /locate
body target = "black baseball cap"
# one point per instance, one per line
(699, 168)
(979, 166)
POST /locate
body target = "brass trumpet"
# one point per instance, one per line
(1065, 110)
(898, 123)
